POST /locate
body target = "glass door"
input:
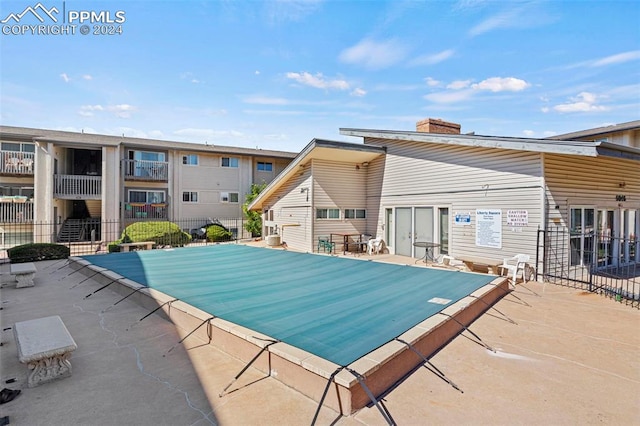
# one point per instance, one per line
(403, 241)
(423, 226)
(605, 249)
(582, 235)
(444, 230)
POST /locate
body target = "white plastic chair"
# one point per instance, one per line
(27, 165)
(374, 245)
(12, 164)
(516, 265)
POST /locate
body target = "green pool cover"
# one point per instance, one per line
(336, 308)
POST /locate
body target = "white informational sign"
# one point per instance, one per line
(462, 218)
(517, 217)
(489, 228)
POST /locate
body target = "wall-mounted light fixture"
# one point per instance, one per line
(365, 164)
(305, 190)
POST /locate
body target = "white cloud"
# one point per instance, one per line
(528, 133)
(264, 100)
(515, 15)
(122, 110)
(583, 102)
(374, 54)
(290, 10)
(207, 134)
(545, 109)
(459, 84)
(449, 97)
(88, 110)
(461, 90)
(65, 77)
(499, 84)
(431, 82)
(87, 77)
(433, 59)
(502, 20)
(358, 92)
(190, 77)
(318, 81)
(617, 59)
(549, 133)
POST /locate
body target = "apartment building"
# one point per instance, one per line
(59, 177)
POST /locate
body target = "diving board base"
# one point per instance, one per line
(307, 373)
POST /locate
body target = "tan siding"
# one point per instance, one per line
(463, 179)
(341, 186)
(587, 181)
(291, 207)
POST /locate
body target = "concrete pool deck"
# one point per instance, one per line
(573, 358)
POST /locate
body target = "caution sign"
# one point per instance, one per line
(517, 218)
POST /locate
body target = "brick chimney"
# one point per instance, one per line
(433, 125)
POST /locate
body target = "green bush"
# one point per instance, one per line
(217, 233)
(37, 251)
(162, 233)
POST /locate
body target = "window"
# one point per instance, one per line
(11, 190)
(355, 213)
(190, 160)
(265, 167)
(190, 197)
(147, 197)
(229, 197)
(327, 213)
(229, 162)
(146, 156)
(18, 147)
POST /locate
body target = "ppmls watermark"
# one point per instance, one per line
(59, 20)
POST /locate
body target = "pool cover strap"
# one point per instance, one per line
(265, 348)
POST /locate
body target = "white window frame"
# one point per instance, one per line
(354, 213)
(232, 162)
(22, 147)
(326, 213)
(191, 196)
(227, 197)
(190, 159)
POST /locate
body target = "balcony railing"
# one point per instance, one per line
(16, 210)
(16, 163)
(77, 186)
(142, 211)
(146, 170)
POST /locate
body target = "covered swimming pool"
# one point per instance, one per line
(338, 309)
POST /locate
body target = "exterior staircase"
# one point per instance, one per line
(72, 230)
(94, 207)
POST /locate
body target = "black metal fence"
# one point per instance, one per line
(592, 262)
(88, 236)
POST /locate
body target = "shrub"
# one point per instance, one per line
(162, 233)
(217, 233)
(37, 251)
(254, 219)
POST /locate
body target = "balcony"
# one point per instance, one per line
(16, 210)
(142, 211)
(75, 187)
(144, 170)
(16, 163)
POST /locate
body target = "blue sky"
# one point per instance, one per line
(276, 74)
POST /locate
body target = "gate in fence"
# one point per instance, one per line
(592, 262)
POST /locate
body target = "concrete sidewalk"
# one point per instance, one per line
(572, 358)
